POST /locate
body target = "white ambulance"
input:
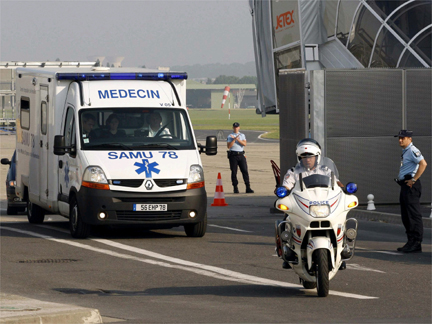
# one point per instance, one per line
(105, 146)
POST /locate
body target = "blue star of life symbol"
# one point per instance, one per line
(147, 167)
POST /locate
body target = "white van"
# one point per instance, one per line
(108, 147)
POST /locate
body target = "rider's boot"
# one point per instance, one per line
(346, 253)
(286, 265)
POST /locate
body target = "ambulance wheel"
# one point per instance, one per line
(77, 227)
(35, 214)
(197, 229)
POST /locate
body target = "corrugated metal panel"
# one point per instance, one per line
(363, 102)
(370, 162)
(292, 116)
(364, 110)
(419, 101)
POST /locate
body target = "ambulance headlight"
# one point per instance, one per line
(196, 177)
(196, 174)
(319, 210)
(94, 174)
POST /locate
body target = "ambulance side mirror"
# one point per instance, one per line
(5, 161)
(59, 145)
(211, 146)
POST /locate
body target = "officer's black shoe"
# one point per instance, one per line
(415, 247)
(404, 247)
(249, 190)
(236, 189)
(286, 265)
(342, 266)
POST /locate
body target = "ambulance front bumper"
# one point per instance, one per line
(122, 207)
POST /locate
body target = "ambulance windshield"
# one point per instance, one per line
(135, 129)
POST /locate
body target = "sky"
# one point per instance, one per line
(144, 32)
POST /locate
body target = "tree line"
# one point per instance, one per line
(230, 79)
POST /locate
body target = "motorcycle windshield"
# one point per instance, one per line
(322, 174)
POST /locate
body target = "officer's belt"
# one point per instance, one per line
(232, 153)
(406, 177)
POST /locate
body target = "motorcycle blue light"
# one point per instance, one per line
(281, 192)
(351, 187)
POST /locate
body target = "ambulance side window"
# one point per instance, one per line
(25, 112)
(43, 117)
(69, 130)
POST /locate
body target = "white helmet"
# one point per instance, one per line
(308, 146)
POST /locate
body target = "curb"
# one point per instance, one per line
(16, 309)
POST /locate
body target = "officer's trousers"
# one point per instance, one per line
(409, 199)
(240, 161)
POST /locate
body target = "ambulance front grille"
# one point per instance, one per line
(148, 216)
(134, 183)
(169, 182)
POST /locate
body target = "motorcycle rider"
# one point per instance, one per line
(308, 153)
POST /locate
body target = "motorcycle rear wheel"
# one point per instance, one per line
(322, 272)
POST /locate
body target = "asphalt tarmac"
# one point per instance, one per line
(259, 152)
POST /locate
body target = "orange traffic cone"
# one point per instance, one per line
(219, 197)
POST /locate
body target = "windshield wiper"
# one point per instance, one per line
(157, 145)
(110, 145)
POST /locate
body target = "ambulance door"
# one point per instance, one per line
(68, 162)
(43, 144)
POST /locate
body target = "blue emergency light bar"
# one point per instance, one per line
(122, 76)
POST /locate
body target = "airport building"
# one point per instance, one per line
(350, 74)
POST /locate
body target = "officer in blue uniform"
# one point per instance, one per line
(235, 143)
(412, 167)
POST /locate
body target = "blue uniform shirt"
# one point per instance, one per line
(410, 159)
(237, 147)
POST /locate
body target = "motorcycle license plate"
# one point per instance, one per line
(149, 207)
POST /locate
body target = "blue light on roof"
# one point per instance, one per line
(121, 76)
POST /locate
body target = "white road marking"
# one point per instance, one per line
(377, 251)
(230, 228)
(205, 270)
(354, 266)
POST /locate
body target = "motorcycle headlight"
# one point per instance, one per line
(319, 210)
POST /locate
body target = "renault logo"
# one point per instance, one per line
(149, 185)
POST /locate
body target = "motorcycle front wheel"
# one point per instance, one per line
(322, 272)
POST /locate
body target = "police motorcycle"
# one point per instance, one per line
(316, 238)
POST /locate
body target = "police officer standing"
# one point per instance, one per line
(236, 142)
(412, 167)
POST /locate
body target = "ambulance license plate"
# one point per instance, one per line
(150, 207)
